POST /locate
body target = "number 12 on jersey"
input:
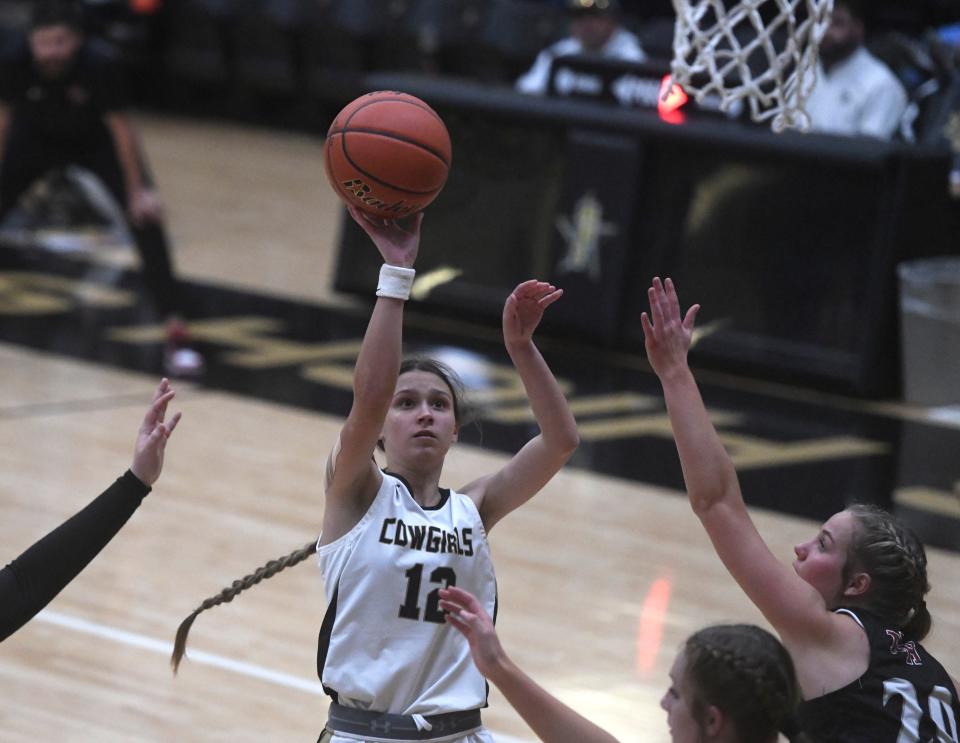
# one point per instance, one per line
(410, 608)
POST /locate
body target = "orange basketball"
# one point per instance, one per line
(387, 153)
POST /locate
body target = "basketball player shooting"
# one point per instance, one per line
(393, 537)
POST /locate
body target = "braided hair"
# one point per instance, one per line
(746, 673)
(894, 558)
(229, 593)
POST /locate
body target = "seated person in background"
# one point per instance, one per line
(855, 93)
(594, 29)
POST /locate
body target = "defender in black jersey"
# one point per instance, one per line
(905, 694)
(31, 581)
(861, 669)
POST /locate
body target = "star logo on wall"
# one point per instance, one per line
(583, 233)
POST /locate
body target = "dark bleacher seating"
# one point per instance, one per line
(197, 46)
(434, 37)
(14, 19)
(339, 44)
(512, 34)
(656, 37)
(136, 39)
(264, 38)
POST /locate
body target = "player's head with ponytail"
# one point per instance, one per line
(896, 562)
(447, 400)
(738, 684)
(230, 592)
(450, 378)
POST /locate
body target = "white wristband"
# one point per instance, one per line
(395, 281)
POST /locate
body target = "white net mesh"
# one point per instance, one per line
(764, 51)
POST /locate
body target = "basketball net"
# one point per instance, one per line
(764, 51)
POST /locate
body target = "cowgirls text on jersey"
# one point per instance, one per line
(427, 538)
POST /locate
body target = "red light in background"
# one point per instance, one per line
(650, 631)
(145, 7)
(672, 98)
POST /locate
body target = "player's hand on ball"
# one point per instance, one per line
(397, 240)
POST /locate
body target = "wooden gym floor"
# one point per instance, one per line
(601, 577)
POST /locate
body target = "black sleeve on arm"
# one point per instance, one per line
(32, 580)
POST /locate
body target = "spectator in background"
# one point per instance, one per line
(855, 93)
(62, 103)
(595, 29)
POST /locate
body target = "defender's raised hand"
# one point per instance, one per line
(152, 436)
(667, 337)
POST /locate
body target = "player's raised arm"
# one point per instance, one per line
(788, 602)
(542, 457)
(354, 477)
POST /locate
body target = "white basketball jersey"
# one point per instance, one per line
(384, 644)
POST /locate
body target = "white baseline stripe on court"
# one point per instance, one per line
(166, 648)
(197, 656)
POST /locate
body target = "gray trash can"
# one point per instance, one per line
(930, 330)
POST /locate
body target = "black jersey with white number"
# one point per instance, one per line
(905, 696)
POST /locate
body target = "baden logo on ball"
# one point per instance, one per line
(387, 153)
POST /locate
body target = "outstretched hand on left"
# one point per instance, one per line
(152, 436)
(524, 309)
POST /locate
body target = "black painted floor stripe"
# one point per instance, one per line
(804, 453)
